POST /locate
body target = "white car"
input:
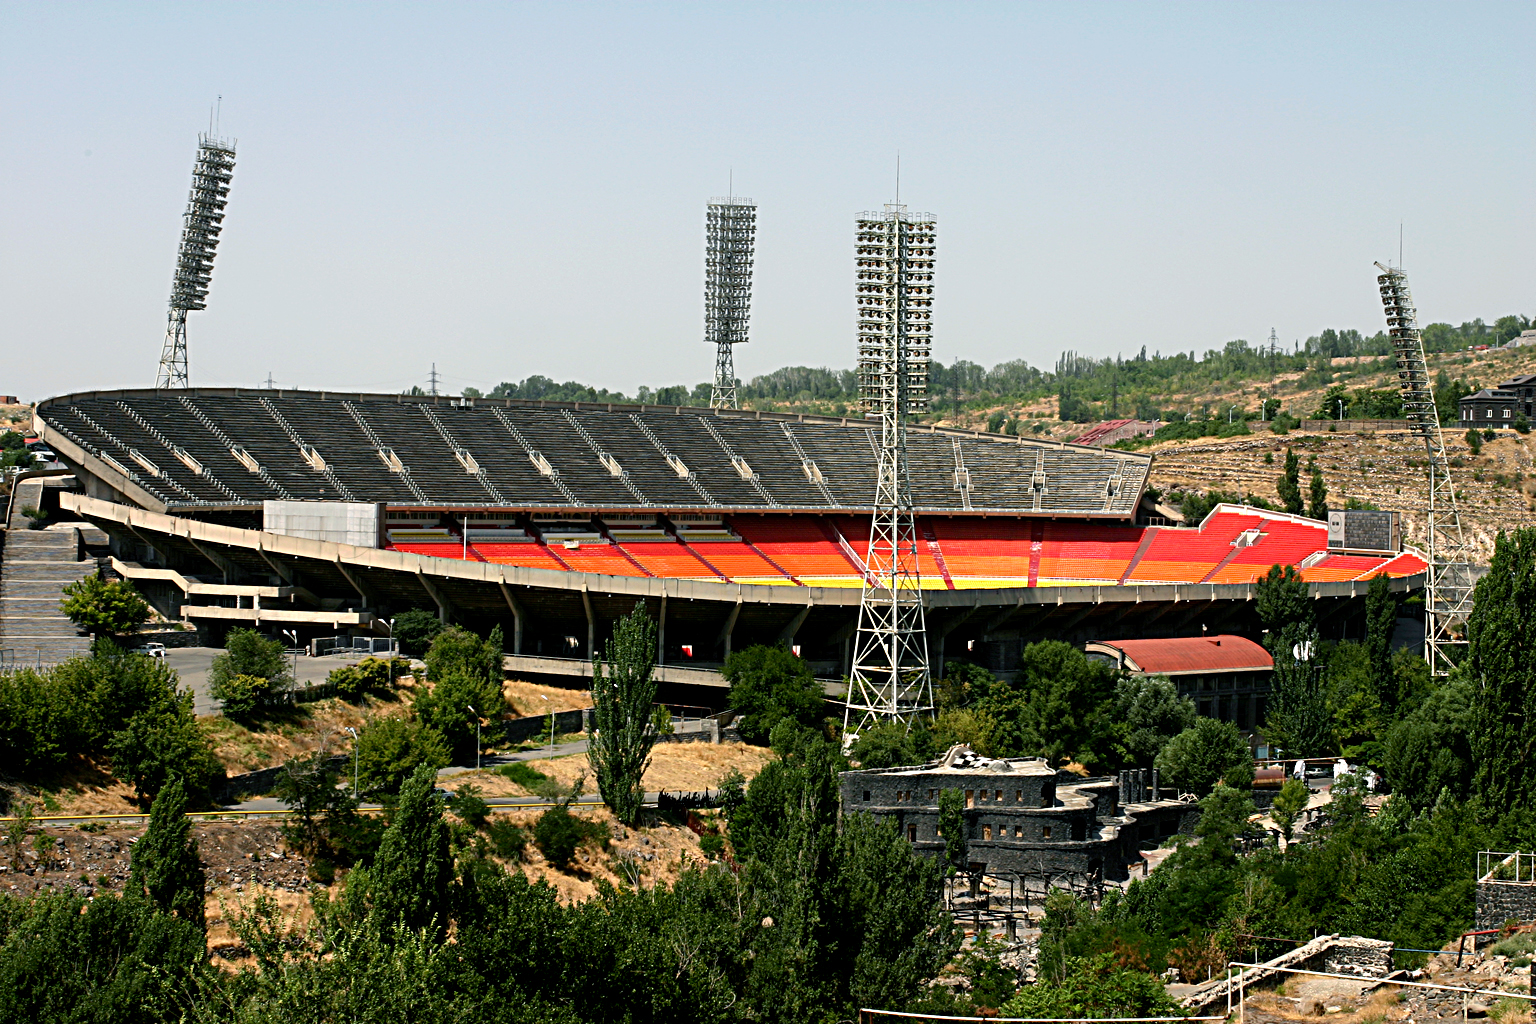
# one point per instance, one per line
(151, 650)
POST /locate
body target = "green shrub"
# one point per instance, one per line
(712, 845)
(558, 833)
(242, 695)
(389, 749)
(509, 840)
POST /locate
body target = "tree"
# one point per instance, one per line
(414, 630)
(308, 785)
(465, 672)
(410, 880)
(1148, 712)
(1298, 718)
(390, 749)
(1429, 751)
(1318, 508)
(955, 830)
(250, 672)
(884, 745)
(1501, 655)
(1289, 484)
(1380, 623)
(1057, 706)
(1474, 441)
(1281, 600)
(769, 684)
(163, 742)
(1289, 803)
(102, 606)
(70, 958)
(1202, 755)
(623, 693)
(166, 868)
(1092, 987)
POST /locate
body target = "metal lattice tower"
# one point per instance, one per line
(731, 227)
(889, 680)
(1448, 581)
(200, 229)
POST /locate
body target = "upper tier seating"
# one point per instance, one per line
(412, 451)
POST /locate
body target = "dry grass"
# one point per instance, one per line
(675, 767)
(300, 730)
(531, 699)
(225, 904)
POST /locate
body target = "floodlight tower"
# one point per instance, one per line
(731, 230)
(200, 229)
(1448, 581)
(889, 680)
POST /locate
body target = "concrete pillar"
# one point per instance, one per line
(1155, 795)
(586, 603)
(661, 632)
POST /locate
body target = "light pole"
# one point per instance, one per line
(390, 625)
(354, 760)
(477, 734)
(551, 727)
(293, 635)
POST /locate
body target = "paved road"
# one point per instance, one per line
(192, 663)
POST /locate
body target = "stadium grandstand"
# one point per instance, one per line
(329, 513)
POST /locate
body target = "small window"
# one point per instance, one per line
(866, 794)
(986, 832)
(1018, 796)
(999, 795)
(932, 793)
(970, 798)
(1046, 832)
(911, 833)
(1018, 831)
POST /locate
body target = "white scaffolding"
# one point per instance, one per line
(889, 680)
(731, 231)
(200, 229)
(1448, 581)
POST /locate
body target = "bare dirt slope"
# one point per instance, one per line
(675, 768)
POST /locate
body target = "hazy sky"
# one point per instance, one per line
(510, 189)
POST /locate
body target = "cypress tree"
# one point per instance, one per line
(1501, 634)
(1289, 484)
(623, 694)
(1380, 621)
(411, 875)
(166, 868)
(1319, 494)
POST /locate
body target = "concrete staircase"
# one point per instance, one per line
(36, 566)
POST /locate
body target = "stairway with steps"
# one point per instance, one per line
(34, 569)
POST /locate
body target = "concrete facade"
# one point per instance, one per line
(1022, 816)
(359, 523)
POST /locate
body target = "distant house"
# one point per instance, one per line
(1524, 388)
(1226, 676)
(1525, 338)
(1489, 409)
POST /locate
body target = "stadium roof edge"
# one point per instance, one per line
(749, 414)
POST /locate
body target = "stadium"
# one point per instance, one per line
(327, 514)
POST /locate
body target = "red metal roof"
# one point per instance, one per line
(1221, 653)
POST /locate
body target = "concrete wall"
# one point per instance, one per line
(338, 522)
(522, 730)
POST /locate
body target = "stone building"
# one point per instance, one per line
(1024, 818)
